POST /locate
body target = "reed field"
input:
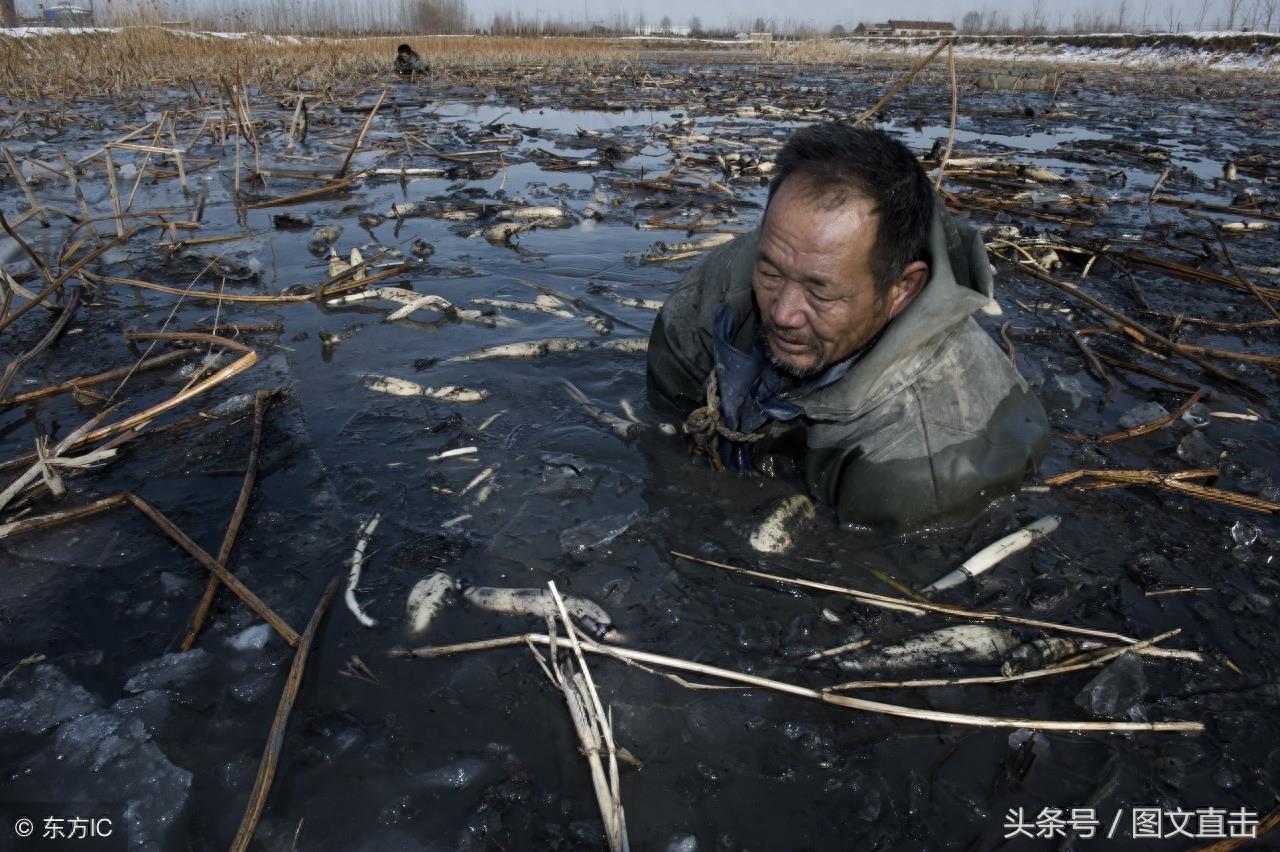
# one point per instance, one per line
(82, 64)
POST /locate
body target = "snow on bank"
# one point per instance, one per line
(1206, 51)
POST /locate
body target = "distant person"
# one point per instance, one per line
(408, 62)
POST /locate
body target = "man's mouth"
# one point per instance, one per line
(788, 346)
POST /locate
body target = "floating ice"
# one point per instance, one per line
(43, 697)
(169, 670)
(1116, 690)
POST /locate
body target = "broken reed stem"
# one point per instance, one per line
(364, 128)
(1156, 424)
(260, 402)
(172, 531)
(1197, 473)
(1078, 336)
(275, 738)
(1008, 341)
(285, 298)
(64, 277)
(247, 360)
(901, 84)
(54, 519)
(593, 728)
(1252, 288)
(100, 378)
(805, 692)
(1185, 352)
(951, 130)
(31, 253)
(873, 599)
(70, 172)
(21, 181)
(70, 303)
(242, 591)
(38, 467)
(1170, 482)
(235, 368)
(1101, 659)
(115, 193)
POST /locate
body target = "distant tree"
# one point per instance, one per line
(971, 22)
(1267, 13)
(1033, 17)
(441, 16)
(1204, 10)
(838, 31)
(665, 23)
(1233, 9)
(758, 26)
(695, 25)
(8, 13)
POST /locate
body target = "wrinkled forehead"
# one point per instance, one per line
(808, 239)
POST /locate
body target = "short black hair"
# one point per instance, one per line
(404, 48)
(838, 163)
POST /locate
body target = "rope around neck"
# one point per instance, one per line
(703, 425)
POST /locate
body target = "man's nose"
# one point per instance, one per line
(787, 310)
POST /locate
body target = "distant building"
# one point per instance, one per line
(907, 29)
(681, 32)
(760, 36)
(66, 15)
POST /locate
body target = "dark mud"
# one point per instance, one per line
(476, 751)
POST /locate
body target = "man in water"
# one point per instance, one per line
(838, 334)
(408, 62)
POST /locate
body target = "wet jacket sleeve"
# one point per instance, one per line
(681, 342)
(937, 450)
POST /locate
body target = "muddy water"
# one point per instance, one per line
(476, 751)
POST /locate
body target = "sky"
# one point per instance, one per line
(825, 13)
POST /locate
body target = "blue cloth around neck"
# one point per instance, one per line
(750, 388)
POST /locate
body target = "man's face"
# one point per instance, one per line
(813, 281)
(405, 55)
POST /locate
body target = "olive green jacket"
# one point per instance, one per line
(930, 424)
(415, 65)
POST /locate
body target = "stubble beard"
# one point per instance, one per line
(797, 373)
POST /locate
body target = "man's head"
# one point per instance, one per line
(405, 52)
(842, 244)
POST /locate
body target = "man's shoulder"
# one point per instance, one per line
(722, 277)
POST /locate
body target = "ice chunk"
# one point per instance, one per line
(596, 532)
(174, 585)
(255, 685)
(1196, 451)
(251, 639)
(1144, 413)
(1116, 689)
(683, 843)
(42, 698)
(108, 757)
(1245, 534)
(1065, 393)
(169, 670)
(152, 708)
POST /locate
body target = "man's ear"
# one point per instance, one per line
(907, 287)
